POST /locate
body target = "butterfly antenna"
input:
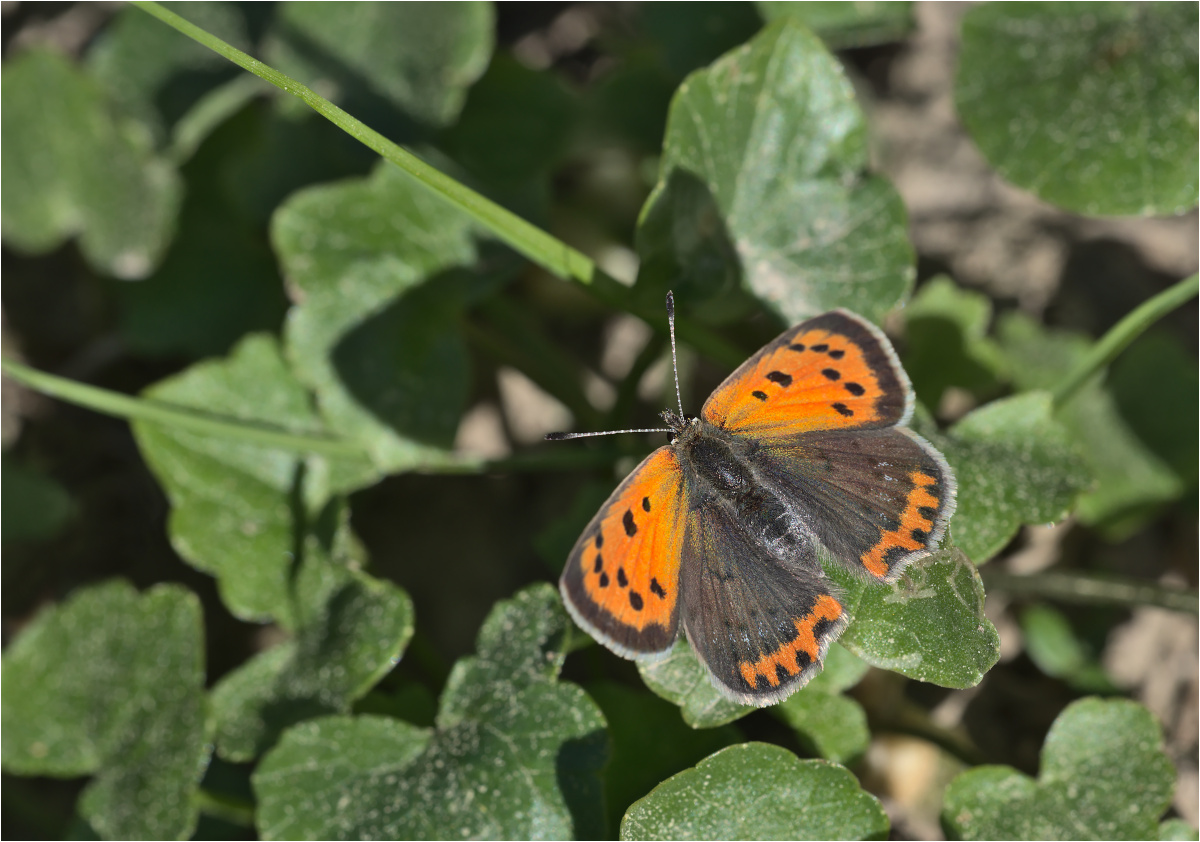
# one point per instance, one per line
(674, 359)
(678, 395)
(565, 436)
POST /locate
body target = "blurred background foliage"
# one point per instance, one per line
(176, 228)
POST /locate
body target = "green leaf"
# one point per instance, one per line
(1177, 829)
(771, 133)
(515, 752)
(234, 504)
(1156, 387)
(680, 678)
(757, 791)
(1091, 106)
(929, 625)
(832, 725)
(1015, 464)
(72, 168)
(692, 34)
(160, 76)
(202, 300)
(490, 144)
(636, 719)
(352, 631)
(843, 25)
(36, 507)
(376, 332)
(111, 683)
(1104, 776)
(420, 57)
(1129, 479)
(1058, 651)
(945, 341)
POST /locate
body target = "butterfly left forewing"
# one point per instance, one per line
(836, 371)
(761, 625)
(621, 582)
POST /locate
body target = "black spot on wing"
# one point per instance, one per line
(762, 396)
(831, 374)
(779, 377)
(635, 599)
(657, 589)
(855, 389)
(842, 409)
(630, 526)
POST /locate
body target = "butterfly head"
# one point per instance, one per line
(677, 422)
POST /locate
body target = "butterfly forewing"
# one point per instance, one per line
(760, 624)
(876, 499)
(621, 582)
(835, 371)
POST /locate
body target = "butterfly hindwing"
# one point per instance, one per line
(833, 372)
(876, 499)
(761, 625)
(621, 582)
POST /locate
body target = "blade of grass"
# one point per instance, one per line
(140, 409)
(1123, 333)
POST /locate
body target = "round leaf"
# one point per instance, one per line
(1104, 776)
(1091, 106)
(1015, 464)
(516, 754)
(771, 134)
(111, 683)
(421, 57)
(757, 791)
(929, 625)
(375, 334)
(71, 167)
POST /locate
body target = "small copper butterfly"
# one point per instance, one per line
(802, 447)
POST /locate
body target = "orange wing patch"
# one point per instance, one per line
(912, 535)
(814, 631)
(621, 582)
(835, 371)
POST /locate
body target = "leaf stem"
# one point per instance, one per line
(1090, 589)
(141, 409)
(236, 811)
(1123, 333)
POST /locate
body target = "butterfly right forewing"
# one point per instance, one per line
(621, 582)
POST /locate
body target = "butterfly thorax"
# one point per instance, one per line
(717, 464)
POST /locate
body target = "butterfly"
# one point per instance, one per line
(802, 451)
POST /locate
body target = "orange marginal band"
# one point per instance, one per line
(787, 655)
(914, 528)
